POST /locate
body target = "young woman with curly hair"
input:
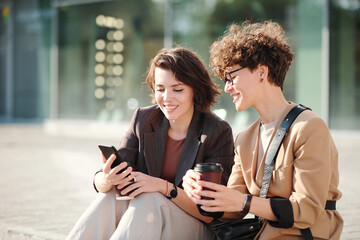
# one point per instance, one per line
(253, 60)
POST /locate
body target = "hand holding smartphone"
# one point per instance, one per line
(107, 151)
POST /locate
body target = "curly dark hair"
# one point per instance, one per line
(251, 44)
(189, 69)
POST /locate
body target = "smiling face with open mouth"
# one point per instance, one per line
(175, 99)
(245, 87)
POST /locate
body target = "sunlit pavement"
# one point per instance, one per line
(46, 176)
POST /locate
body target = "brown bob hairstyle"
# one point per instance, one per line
(189, 69)
(251, 44)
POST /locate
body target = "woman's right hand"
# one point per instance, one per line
(190, 184)
(108, 178)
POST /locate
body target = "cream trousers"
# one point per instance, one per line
(149, 216)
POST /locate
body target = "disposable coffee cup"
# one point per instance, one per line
(118, 194)
(210, 172)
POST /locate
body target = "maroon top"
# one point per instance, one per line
(172, 156)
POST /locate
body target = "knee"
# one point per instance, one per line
(106, 198)
(148, 206)
(149, 202)
(153, 198)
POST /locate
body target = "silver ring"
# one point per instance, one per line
(134, 179)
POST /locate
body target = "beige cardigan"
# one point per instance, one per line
(305, 172)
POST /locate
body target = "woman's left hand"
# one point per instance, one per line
(143, 183)
(224, 199)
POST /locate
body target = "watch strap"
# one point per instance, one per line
(169, 196)
(247, 203)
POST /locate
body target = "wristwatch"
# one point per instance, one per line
(173, 192)
(247, 202)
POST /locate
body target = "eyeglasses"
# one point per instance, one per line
(228, 77)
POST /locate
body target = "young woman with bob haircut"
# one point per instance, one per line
(161, 144)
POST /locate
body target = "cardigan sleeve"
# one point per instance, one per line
(236, 179)
(282, 209)
(314, 153)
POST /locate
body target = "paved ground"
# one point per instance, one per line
(46, 177)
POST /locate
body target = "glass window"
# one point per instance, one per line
(205, 21)
(104, 51)
(4, 56)
(344, 65)
(31, 59)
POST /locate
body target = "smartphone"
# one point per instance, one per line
(107, 151)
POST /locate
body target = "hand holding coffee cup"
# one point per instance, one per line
(210, 172)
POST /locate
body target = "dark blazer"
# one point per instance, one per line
(209, 139)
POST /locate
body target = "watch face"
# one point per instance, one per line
(173, 193)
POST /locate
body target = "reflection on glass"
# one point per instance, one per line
(112, 43)
(109, 70)
(99, 69)
(110, 35)
(109, 22)
(100, 19)
(134, 29)
(118, 46)
(344, 98)
(100, 56)
(132, 103)
(99, 81)
(99, 93)
(110, 47)
(118, 35)
(100, 44)
(110, 58)
(119, 23)
(110, 93)
(118, 58)
(110, 82)
(110, 105)
(118, 81)
(117, 70)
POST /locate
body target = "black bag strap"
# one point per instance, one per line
(272, 154)
(275, 146)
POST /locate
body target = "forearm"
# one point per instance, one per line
(261, 207)
(185, 203)
(101, 186)
(182, 201)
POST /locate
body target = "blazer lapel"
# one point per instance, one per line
(191, 146)
(155, 145)
(247, 150)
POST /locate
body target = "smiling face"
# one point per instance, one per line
(245, 89)
(175, 99)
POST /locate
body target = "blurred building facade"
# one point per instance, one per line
(87, 59)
